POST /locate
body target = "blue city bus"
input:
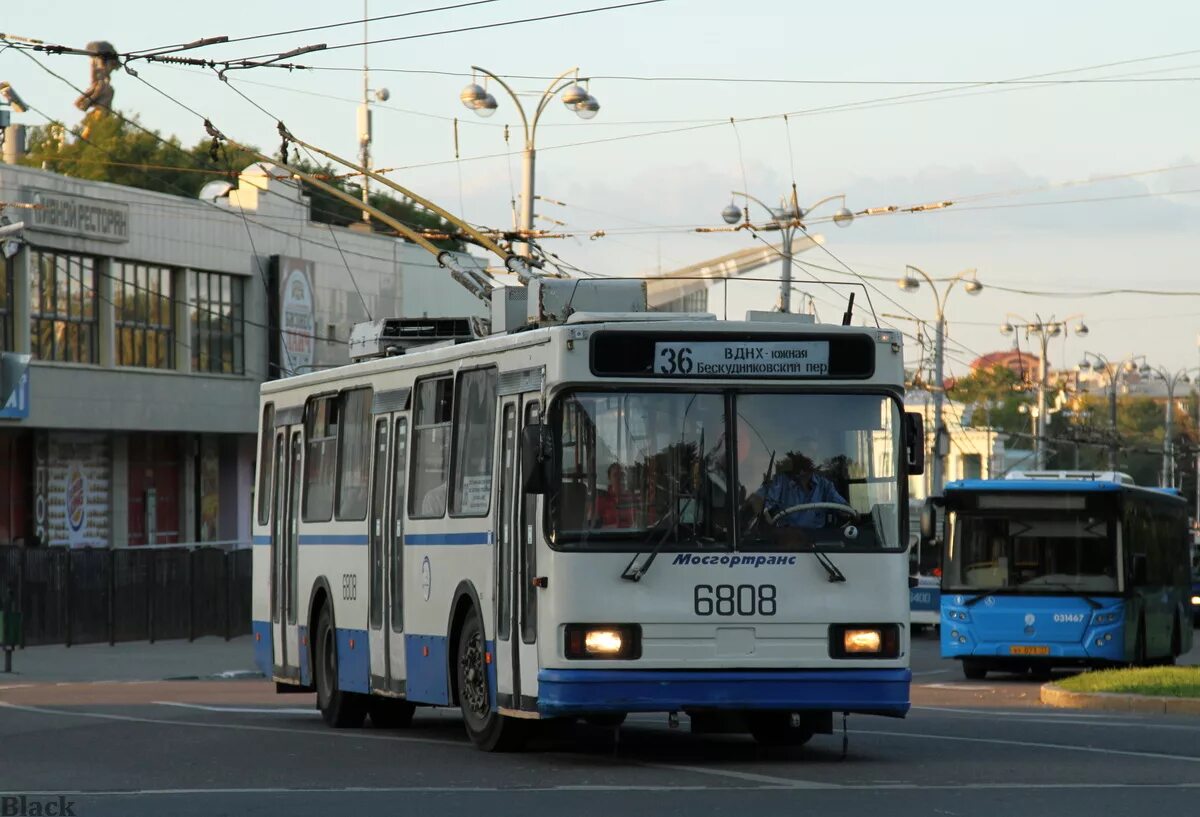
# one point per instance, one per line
(1196, 579)
(1070, 572)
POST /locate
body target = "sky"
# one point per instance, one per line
(1059, 187)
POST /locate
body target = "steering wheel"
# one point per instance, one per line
(838, 507)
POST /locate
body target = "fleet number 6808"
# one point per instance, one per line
(734, 600)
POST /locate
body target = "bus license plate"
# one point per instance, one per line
(1028, 650)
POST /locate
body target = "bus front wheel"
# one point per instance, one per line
(973, 671)
(488, 729)
(340, 709)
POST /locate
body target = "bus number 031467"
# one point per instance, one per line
(731, 600)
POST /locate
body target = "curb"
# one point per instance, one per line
(1054, 695)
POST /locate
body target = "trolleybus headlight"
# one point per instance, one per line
(864, 641)
(1196, 601)
(603, 641)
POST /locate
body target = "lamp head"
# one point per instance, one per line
(908, 284)
(588, 108)
(486, 106)
(1081, 329)
(732, 214)
(472, 95)
(843, 217)
(1006, 328)
(573, 95)
(1084, 365)
(973, 287)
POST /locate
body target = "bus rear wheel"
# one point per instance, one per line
(487, 729)
(340, 709)
(779, 728)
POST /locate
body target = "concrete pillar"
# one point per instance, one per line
(182, 294)
(106, 318)
(119, 513)
(187, 505)
(22, 322)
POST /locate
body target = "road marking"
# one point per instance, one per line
(1066, 718)
(1008, 713)
(241, 710)
(599, 789)
(357, 734)
(787, 782)
(959, 686)
(1032, 745)
(16, 686)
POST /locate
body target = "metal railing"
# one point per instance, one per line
(93, 596)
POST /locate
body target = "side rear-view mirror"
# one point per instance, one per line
(537, 457)
(914, 443)
(928, 521)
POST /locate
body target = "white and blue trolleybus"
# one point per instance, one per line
(607, 511)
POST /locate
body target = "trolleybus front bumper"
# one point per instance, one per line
(583, 691)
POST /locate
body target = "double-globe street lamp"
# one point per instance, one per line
(1043, 330)
(1171, 380)
(1112, 372)
(788, 219)
(911, 283)
(576, 97)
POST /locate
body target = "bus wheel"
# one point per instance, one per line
(488, 730)
(389, 713)
(779, 728)
(340, 709)
(973, 671)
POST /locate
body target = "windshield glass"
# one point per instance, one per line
(1042, 550)
(653, 468)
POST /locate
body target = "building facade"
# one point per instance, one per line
(135, 329)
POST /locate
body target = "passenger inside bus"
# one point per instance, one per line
(615, 506)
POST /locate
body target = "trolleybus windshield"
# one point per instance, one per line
(718, 470)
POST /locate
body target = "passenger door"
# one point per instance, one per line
(508, 680)
(378, 537)
(525, 571)
(285, 543)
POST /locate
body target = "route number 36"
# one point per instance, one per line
(676, 360)
(730, 600)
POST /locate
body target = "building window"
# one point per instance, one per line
(62, 306)
(972, 466)
(145, 318)
(217, 323)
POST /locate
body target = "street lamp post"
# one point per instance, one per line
(1044, 330)
(971, 284)
(1171, 380)
(787, 218)
(574, 96)
(1112, 372)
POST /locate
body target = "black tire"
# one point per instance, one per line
(487, 729)
(773, 728)
(340, 709)
(390, 713)
(606, 720)
(973, 671)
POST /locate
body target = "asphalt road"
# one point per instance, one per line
(234, 747)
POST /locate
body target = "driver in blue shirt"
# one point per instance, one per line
(796, 483)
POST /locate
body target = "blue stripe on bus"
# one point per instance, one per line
(333, 539)
(262, 540)
(354, 660)
(879, 691)
(468, 538)
(264, 655)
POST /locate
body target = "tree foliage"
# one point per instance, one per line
(120, 151)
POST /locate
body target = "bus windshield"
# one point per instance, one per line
(711, 470)
(1037, 550)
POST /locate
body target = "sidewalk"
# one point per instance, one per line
(133, 661)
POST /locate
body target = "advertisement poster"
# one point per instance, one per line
(297, 314)
(72, 488)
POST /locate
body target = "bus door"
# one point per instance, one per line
(385, 541)
(284, 551)
(507, 490)
(525, 570)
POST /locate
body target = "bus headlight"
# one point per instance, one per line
(1196, 600)
(592, 641)
(864, 641)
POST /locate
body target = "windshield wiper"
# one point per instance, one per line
(633, 571)
(1091, 602)
(835, 575)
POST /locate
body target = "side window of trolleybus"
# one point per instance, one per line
(430, 448)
